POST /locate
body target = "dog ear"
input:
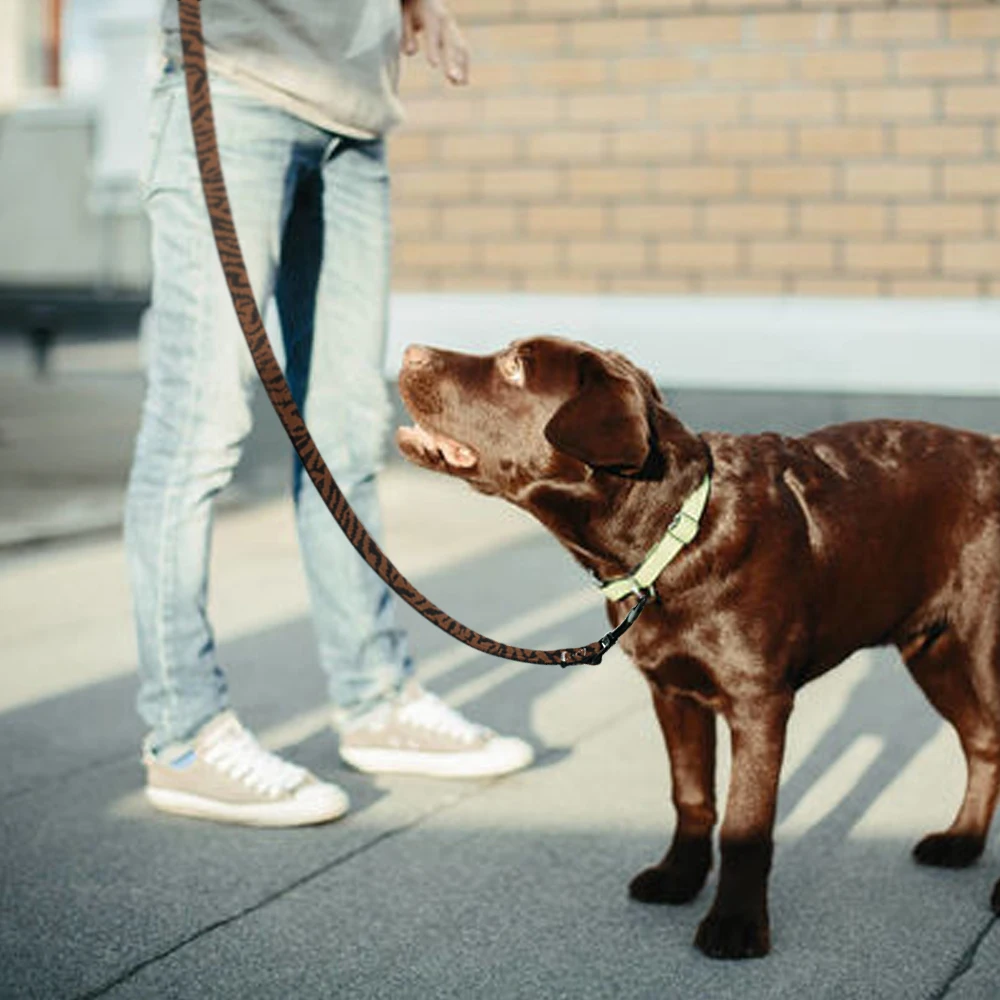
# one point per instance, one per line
(605, 424)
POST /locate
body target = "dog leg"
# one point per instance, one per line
(737, 924)
(943, 674)
(689, 733)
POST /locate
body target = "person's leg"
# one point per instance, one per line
(200, 379)
(332, 293)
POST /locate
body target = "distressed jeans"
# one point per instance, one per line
(312, 213)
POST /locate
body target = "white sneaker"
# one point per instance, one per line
(224, 774)
(417, 733)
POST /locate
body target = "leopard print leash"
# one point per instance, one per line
(278, 391)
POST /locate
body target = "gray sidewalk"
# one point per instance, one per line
(509, 888)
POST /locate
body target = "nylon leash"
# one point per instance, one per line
(280, 395)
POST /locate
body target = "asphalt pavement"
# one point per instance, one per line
(506, 888)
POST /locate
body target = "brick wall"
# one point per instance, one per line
(632, 146)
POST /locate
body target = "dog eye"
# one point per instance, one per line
(512, 368)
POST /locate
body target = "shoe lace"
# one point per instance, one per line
(237, 753)
(430, 712)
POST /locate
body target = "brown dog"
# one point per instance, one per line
(864, 534)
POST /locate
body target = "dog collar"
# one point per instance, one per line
(680, 531)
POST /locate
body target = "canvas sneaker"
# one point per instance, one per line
(417, 733)
(224, 774)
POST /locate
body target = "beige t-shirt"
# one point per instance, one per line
(331, 62)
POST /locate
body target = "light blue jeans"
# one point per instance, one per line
(312, 213)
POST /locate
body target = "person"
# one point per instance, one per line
(304, 92)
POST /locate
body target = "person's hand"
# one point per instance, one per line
(444, 45)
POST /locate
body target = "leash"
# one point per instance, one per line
(278, 391)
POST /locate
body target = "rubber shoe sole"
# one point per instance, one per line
(502, 756)
(310, 808)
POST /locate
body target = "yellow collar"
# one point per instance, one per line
(680, 531)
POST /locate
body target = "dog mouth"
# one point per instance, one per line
(433, 448)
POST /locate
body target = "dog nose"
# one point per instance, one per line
(416, 356)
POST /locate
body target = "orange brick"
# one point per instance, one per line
(659, 285)
(732, 284)
(413, 220)
(684, 32)
(643, 6)
(940, 63)
(563, 145)
(697, 182)
(551, 220)
(475, 219)
(975, 23)
(417, 78)
(888, 179)
(540, 109)
(746, 217)
(939, 140)
(791, 181)
(620, 182)
(746, 143)
(698, 255)
(474, 281)
(974, 180)
(936, 287)
(625, 36)
(660, 69)
(972, 257)
(700, 106)
(496, 8)
(940, 219)
(606, 255)
(793, 104)
(433, 183)
(818, 29)
(568, 73)
(438, 253)
(477, 148)
(410, 281)
(972, 102)
(654, 218)
(541, 281)
(520, 254)
(756, 67)
(542, 8)
(520, 183)
(885, 257)
(841, 141)
(890, 103)
(446, 111)
(837, 218)
(844, 64)
(409, 147)
(420, 79)
(489, 75)
(653, 146)
(892, 25)
(859, 287)
(791, 255)
(609, 109)
(505, 39)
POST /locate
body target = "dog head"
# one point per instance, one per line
(541, 409)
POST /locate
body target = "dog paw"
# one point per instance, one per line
(669, 884)
(733, 935)
(995, 901)
(948, 850)
(678, 878)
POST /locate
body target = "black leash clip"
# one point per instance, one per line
(616, 633)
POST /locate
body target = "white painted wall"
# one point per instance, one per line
(934, 346)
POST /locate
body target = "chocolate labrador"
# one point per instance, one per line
(881, 532)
